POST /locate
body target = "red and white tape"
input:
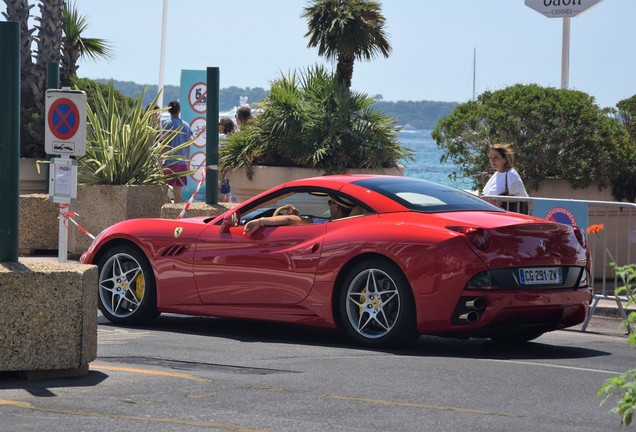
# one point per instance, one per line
(196, 191)
(67, 217)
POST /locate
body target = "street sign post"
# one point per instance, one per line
(65, 136)
(65, 131)
(565, 9)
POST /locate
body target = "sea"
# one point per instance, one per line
(427, 163)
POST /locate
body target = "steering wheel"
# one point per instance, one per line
(280, 210)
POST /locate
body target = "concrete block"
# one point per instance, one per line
(38, 225)
(101, 206)
(49, 316)
(171, 211)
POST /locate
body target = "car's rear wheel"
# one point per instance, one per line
(127, 292)
(376, 305)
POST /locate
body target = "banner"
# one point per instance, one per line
(193, 110)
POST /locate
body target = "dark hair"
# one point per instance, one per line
(506, 153)
(175, 108)
(244, 113)
(228, 125)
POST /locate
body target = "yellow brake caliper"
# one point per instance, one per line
(362, 301)
(140, 285)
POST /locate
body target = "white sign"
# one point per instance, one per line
(199, 132)
(65, 122)
(63, 180)
(198, 97)
(561, 8)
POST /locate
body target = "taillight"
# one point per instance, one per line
(580, 236)
(477, 236)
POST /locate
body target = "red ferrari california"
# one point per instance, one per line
(402, 257)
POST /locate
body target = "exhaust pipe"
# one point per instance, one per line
(469, 317)
(477, 303)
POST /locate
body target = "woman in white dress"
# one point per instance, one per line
(505, 180)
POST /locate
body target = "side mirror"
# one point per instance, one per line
(230, 220)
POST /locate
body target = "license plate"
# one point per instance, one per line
(540, 276)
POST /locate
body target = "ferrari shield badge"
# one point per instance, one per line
(178, 231)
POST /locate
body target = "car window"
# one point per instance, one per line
(425, 196)
(311, 205)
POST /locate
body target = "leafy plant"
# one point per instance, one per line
(124, 144)
(314, 121)
(623, 386)
(554, 133)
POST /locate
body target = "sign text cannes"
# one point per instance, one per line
(561, 8)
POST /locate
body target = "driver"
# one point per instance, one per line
(291, 216)
(339, 207)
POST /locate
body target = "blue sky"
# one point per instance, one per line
(254, 41)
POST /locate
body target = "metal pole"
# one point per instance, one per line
(52, 82)
(212, 137)
(162, 57)
(565, 54)
(474, 70)
(9, 140)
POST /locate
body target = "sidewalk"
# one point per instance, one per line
(609, 308)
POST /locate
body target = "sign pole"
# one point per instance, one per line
(9, 140)
(62, 248)
(565, 54)
(64, 136)
(565, 9)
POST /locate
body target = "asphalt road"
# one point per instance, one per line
(203, 374)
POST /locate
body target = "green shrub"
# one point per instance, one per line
(124, 144)
(313, 121)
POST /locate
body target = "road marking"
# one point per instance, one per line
(425, 406)
(553, 366)
(150, 372)
(167, 420)
(202, 396)
(270, 389)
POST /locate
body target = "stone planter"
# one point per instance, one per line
(30, 180)
(38, 226)
(266, 177)
(54, 332)
(101, 206)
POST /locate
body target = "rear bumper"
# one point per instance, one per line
(505, 311)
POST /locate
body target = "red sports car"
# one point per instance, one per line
(413, 257)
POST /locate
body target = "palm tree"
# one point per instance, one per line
(51, 28)
(311, 120)
(18, 11)
(75, 46)
(346, 30)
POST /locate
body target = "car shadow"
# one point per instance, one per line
(424, 346)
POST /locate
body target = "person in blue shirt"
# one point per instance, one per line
(177, 166)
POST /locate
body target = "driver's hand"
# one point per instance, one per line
(290, 209)
(252, 226)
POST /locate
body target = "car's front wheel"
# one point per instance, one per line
(127, 293)
(376, 305)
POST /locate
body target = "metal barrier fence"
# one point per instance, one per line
(616, 242)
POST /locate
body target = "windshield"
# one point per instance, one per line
(426, 196)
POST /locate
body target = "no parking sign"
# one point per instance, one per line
(567, 212)
(65, 131)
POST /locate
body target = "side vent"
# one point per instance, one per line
(174, 250)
